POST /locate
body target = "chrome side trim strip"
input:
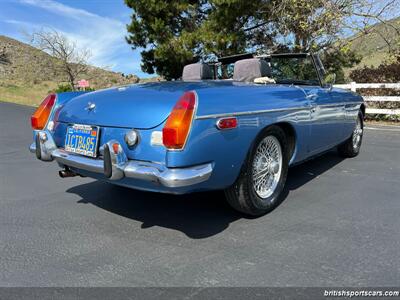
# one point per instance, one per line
(353, 103)
(243, 113)
(337, 104)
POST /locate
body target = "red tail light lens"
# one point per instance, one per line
(42, 113)
(176, 130)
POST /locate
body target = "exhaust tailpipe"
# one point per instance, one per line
(66, 173)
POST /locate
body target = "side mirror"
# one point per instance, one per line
(330, 80)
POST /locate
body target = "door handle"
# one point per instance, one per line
(311, 96)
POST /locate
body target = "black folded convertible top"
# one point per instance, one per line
(234, 58)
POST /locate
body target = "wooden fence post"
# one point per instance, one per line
(353, 86)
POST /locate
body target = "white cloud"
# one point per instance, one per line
(104, 36)
(59, 8)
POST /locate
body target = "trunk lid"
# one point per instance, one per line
(137, 106)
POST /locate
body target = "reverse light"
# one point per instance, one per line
(42, 113)
(131, 138)
(176, 130)
(50, 126)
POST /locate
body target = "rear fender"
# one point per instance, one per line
(228, 149)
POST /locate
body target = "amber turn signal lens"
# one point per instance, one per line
(176, 130)
(42, 113)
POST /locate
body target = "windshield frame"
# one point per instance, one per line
(233, 58)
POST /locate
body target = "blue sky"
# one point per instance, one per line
(97, 24)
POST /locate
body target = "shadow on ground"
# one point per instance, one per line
(198, 215)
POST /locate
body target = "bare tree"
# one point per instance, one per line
(4, 60)
(322, 24)
(364, 15)
(69, 60)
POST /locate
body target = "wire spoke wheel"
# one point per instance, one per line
(351, 147)
(267, 166)
(260, 185)
(357, 134)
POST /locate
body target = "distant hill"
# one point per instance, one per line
(26, 76)
(372, 46)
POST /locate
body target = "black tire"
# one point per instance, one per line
(242, 195)
(349, 148)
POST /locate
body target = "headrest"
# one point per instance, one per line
(196, 71)
(249, 69)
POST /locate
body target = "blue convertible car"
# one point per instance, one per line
(237, 125)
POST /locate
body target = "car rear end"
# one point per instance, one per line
(122, 135)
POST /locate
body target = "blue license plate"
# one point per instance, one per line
(82, 139)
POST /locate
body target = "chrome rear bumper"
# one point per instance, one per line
(116, 166)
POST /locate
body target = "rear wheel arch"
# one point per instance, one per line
(362, 108)
(290, 134)
(291, 137)
(351, 147)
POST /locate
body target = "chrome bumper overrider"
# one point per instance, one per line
(116, 165)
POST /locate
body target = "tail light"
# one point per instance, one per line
(176, 130)
(42, 113)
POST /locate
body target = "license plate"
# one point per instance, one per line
(82, 139)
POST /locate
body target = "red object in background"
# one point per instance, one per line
(83, 83)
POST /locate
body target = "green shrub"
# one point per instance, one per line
(63, 88)
(67, 88)
(388, 71)
(89, 89)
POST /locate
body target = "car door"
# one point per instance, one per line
(327, 116)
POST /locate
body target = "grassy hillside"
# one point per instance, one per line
(26, 76)
(372, 46)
